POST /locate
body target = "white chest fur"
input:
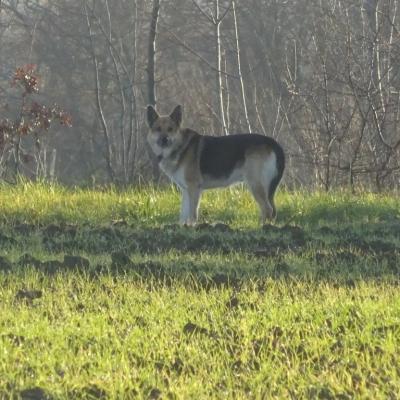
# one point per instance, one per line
(177, 175)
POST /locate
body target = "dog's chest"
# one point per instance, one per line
(177, 175)
(179, 178)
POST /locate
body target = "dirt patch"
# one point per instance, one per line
(172, 227)
(119, 223)
(5, 264)
(392, 261)
(275, 247)
(272, 250)
(28, 260)
(7, 241)
(119, 258)
(281, 270)
(154, 394)
(71, 261)
(177, 366)
(385, 330)
(150, 267)
(35, 393)
(51, 266)
(62, 229)
(107, 233)
(220, 279)
(52, 230)
(346, 256)
(215, 227)
(366, 247)
(90, 392)
(379, 247)
(24, 228)
(268, 228)
(48, 266)
(326, 230)
(123, 264)
(193, 329)
(332, 258)
(203, 242)
(16, 340)
(295, 235)
(28, 296)
(394, 229)
(233, 302)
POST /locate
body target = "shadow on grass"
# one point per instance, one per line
(370, 237)
(294, 256)
(317, 249)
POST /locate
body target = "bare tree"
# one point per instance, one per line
(215, 18)
(151, 83)
(99, 105)
(235, 20)
(321, 77)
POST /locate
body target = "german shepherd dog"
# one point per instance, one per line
(196, 162)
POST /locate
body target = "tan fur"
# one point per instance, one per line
(254, 164)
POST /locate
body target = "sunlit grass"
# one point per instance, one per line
(119, 336)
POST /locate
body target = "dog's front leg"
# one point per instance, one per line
(190, 205)
(185, 207)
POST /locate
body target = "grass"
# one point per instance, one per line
(41, 204)
(103, 296)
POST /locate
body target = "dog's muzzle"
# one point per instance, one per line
(163, 141)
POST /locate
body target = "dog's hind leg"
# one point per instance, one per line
(269, 176)
(258, 191)
(258, 177)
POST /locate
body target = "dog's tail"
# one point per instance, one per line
(280, 167)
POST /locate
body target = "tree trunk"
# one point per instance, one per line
(99, 104)
(246, 115)
(151, 86)
(220, 93)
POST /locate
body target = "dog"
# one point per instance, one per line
(197, 162)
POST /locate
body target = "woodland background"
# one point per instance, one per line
(321, 76)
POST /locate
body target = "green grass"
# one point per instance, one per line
(308, 309)
(41, 204)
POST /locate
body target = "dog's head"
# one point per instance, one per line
(165, 130)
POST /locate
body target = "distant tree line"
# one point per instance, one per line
(320, 76)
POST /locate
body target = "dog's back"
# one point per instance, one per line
(222, 154)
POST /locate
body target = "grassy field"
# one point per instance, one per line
(103, 296)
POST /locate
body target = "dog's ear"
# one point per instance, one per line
(176, 115)
(152, 115)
